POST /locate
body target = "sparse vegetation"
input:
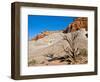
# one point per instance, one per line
(61, 47)
(32, 62)
(83, 52)
(66, 51)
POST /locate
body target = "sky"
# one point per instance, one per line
(40, 23)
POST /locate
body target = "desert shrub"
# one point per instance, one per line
(32, 62)
(83, 52)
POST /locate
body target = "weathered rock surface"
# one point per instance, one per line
(43, 34)
(59, 48)
(80, 22)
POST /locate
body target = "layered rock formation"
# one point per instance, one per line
(42, 35)
(80, 22)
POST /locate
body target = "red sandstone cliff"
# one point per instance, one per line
(80, 22)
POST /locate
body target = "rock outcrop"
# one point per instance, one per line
(42, 35)
(71, 48)
(80, 22)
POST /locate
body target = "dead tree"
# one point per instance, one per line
(72, 51)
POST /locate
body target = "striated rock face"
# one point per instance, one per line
(80, 22)
(43, 34)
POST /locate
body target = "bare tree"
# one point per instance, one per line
(72, 51)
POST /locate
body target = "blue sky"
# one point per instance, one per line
(40, 23)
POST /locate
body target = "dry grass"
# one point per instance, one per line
(32, 62)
